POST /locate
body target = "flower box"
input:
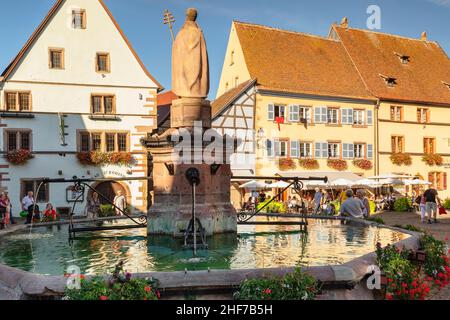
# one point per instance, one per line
(433, 159)
(286, 164)
(19, 157)
(363, 164)
(95, 158)
(309, 164)
(337, 164)
(401, 159)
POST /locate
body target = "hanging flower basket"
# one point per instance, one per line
(401, 159)
(337, 164)
(96, 158)
(309, 164)
(19, 157)
(433, 159)
(286, 164)
(363, 164)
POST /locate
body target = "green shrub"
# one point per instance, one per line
(437, 263)
(293, 286)
(446, 204)
(106, 210)
(119, 287)
(273, 207)
(402, 204)
(409, 227)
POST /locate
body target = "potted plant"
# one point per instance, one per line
(19, 157)
(337, 164)
(401, 159)
(95, 158)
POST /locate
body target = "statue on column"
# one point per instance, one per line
(190, 66)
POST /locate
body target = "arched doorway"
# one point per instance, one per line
(109, 189)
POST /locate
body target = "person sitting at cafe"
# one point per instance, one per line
(50, 212)
(352, 207)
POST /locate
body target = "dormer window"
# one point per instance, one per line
(447, 84)
(390, 82)
(403, 58)
(79, 19)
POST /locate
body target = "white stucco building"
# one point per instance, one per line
(76, 86)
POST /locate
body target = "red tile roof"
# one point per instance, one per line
(164, 101)
(376, 54)
(300, 63)
(228, 97)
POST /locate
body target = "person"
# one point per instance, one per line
(93, 206)
(29, 205)
(431, 204)
(3, 210)
(342, 196)
(352, 207)
(361, 195)
(317, 201)
(11, 218)
(50, 212)
(422, 206)
(120, 203)
(293, 205)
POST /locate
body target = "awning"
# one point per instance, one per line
(332, 175)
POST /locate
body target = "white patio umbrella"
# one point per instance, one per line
(417, 182)
(390, 176)
(278, 184)
(341, 183)
(254, 185)
(392, 182)
(366, 183)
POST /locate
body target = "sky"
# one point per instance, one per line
(141, 21)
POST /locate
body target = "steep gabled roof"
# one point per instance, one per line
(296, 62)
(421, 78)
(222, 102)
(43, 25)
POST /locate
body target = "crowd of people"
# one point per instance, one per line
(354, 203)
(31, 209)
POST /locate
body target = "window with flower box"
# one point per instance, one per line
(359, 150)
(18, 139)
(103, 141)
(398, 144)
(333, 150)
(305, 150)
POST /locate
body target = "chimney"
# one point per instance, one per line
(344, 22)
(423, 36)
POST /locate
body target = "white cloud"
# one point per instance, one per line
(444, 3)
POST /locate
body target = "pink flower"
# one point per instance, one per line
(147, 289)
(103, 298)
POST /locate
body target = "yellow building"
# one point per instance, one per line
(346, 102)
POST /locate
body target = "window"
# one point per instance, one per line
(321, 150)
(347, 116)
(305, 150)
(294, 149)
(438, 180)
(390, 82)
(359, 150)
(79, 19)
(18, 101)
(103, 104)
(103, 141)
(294, 113)
(358, 117)
(27, 185)
(18, 139)
(333, 115)
(348, 151)
(333, 150)
(396, 113)
(429, 145)
(232, 58)
(281, 148)
(275, 111)
(56, 58)
(369, 117)
(103, 63)
(423, 115)
(320, 114)
(305, 114)
(398, 144)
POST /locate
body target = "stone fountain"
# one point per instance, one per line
(174, 198)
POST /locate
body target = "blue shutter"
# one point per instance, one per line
(345, 150)
(269, 147)
(277, 148)
(351, 149)
(369, 117)
(271, 112)
(317, 115)
(294, 149)
(324, 116)
(325, 150)
(318, 150)
(369, 151)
